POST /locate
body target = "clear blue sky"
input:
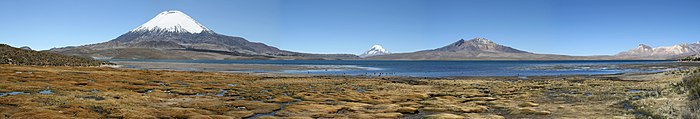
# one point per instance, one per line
(571, 27)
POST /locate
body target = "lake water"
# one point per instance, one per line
(447, 68)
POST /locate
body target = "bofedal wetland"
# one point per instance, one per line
(102, 92)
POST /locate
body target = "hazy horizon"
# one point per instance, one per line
(316, 26)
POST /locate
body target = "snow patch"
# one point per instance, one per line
(374, 51)
(172, 21)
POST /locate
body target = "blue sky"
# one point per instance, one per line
(571, 27)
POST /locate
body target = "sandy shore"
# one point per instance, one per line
(94, 92)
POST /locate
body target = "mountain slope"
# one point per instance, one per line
(18, 56)
(478, 45)
(374, 51)
(479, 49)
(175, 35)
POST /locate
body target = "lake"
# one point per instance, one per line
(448, 68)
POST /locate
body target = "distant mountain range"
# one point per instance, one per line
(175, 35)
(484, 49)
(662, 52)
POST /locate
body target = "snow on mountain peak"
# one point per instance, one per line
(643, 47)
(482, 41)
(378, 48)
(375, 50)
(172, 21)
(675, 50)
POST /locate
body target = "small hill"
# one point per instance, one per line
(18, 56)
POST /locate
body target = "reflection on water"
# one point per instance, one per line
(12, 93)
(46, 92)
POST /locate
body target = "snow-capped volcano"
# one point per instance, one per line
(374, 51)
(172, 21)
(174, 35)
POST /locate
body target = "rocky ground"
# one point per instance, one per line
(100, 92)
